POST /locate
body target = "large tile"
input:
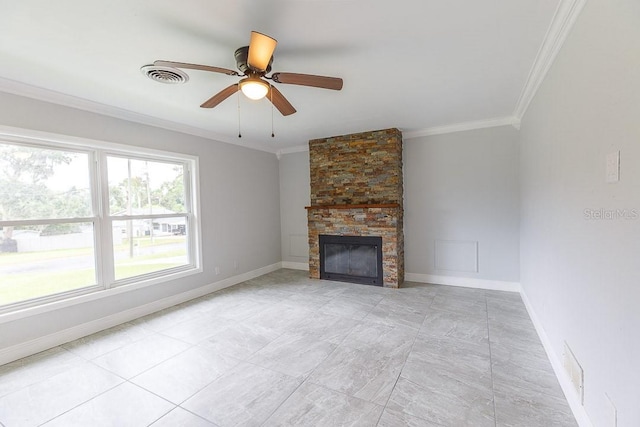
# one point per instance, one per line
(167, 318)
(42, 401)
(442, 323)
(514, 336)
(438, 376)
(435, 361)
(183, 375)
(139, 356)
(391, 418)
(199, 329)
(182, 418)
(506, 306)
(308, 300)
(419, 299)
(312, 405)
(394, 313)
(365, 293)
(525, 370)
(369, 374)
(392, 338)
(458, 292)
(324, 327)
(293, 355)
(242, 309)
(125, 405)
(350, 307)
(329, 289)
(245, 396)
(518, 407)
(105, 341)
(458, 303)
(241, 340)
(30, 370)
(279, 317)
(450, 404)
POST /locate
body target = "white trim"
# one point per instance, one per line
(465, 282)
(292, 150)
(561, 24)
(567, 387)
(58, 98)
(461, 127)
(304, 266)
(39, 344)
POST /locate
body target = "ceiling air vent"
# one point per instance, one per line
(166, 75)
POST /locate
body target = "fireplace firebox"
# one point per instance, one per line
(355, 259)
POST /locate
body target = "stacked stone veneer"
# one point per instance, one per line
(356, 190)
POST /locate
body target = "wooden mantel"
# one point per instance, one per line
(362, 206)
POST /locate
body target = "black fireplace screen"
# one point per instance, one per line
(351, 259)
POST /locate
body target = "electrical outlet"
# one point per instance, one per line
(217, 270)
(236, 265)
(574, 370)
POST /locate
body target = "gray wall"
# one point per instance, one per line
(462, 204)
(240, 208)
(459, 188)
(294, 196)
(581, 275)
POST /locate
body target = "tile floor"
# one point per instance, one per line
(285, 350)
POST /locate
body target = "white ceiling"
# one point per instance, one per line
(410, 64)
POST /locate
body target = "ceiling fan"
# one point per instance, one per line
(254, 62)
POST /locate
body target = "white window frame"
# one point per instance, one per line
(106, 285)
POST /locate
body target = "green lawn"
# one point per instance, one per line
(27, 284)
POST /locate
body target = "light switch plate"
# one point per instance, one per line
(613, 166)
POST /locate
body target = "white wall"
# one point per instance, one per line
(582, 276)
(295, 194)
(462, 207)
(240, 208)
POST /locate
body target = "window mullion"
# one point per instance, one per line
(105, 260)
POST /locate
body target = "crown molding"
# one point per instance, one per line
(460, 127)
(561, 24)
(40, 94)
(292, 150)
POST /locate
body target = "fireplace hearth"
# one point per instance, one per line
(354, 259)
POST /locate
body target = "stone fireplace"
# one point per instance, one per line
(356, 190)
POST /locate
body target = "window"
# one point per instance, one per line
(146, 205)
(81, 218)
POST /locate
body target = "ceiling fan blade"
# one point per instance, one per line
(220, 96)
(280, 102)
(261, 49)
(226, 71)
(323, 82)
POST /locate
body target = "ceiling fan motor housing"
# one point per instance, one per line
(242, 54)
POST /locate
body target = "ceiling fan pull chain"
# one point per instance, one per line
(239, 133)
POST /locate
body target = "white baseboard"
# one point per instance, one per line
(556, 363)
(296, 265)
(466, 282)
(18, 351)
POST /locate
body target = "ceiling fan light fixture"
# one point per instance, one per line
(254, 88)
